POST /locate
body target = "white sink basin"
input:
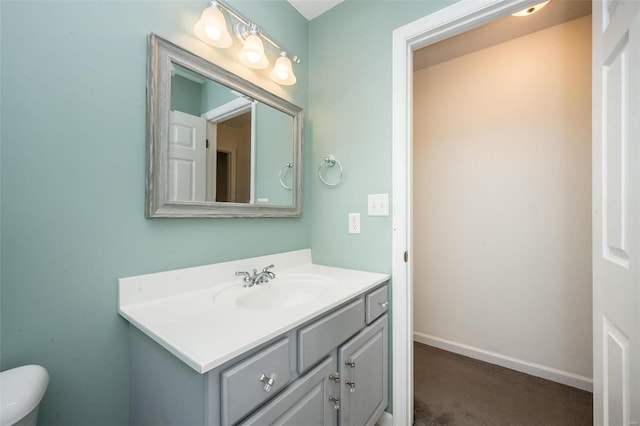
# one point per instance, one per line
(287, 291)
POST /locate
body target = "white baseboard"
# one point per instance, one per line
(385, 419)
(560, 376)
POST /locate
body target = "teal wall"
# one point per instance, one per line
(72, 187)
(273, 152)
(215, 95)
(350, 109)
(185, 95)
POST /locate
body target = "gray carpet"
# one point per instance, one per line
(451, 389)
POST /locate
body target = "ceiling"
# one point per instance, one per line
(499, 31)
(313, 8)
(496, 32)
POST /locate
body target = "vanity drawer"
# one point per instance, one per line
(377, 303)
(245, 385)
(316, 340)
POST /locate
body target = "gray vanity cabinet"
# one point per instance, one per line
(363, 374)
(329, 371)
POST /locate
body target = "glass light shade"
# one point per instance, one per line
(282, 72)
(212, 28)
(531, 10)
(252, 53)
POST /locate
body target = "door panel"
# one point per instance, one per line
(616, 80)
(616, 368)
(187, 157)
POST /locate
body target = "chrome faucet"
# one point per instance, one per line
(250, 280)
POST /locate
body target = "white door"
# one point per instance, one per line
(616, 212)
(187, 157)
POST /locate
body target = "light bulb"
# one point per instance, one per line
(282, 72)
(211, 28)
(253, 57)
(214, 33)
(252, 53)
(531, 10)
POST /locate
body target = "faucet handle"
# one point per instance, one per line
(268, 272)
(247, 276)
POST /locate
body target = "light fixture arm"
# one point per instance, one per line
(243, 28)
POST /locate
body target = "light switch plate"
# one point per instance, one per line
(354, 223)
(378, 205)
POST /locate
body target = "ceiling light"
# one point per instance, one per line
(212, 27)
(531, 10)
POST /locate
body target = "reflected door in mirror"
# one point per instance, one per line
(187, 163)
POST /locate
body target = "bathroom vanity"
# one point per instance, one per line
(308, 347)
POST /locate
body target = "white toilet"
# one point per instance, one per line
(21, 390)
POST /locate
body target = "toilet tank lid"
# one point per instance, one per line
(21, 390)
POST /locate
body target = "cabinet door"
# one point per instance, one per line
(363, 375)
(305, 402)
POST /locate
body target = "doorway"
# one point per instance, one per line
(502, 203)
(456, 19)
(223, 176)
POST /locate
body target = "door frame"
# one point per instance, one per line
(231, 109)
(448, 22)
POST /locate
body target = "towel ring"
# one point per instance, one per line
(282, 171)
(330, 161)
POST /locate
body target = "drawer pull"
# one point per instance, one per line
(383, 305)
(352, 386)
(351, 364)
(335, 377)
(268, 381)
(336, 402)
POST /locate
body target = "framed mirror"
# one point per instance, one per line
(217, 145)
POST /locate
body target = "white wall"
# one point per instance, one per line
(502, 199)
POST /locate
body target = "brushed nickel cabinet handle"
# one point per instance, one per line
(336, 402)
(268, 381)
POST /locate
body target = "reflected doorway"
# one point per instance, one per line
(223, 176)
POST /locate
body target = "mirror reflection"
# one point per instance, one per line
(225, 146)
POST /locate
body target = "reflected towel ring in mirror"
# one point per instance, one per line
(281, 174)
(330, 161)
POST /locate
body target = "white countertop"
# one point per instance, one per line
(187, 312)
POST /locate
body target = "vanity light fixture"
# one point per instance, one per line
(531, 10)
(211, 28)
